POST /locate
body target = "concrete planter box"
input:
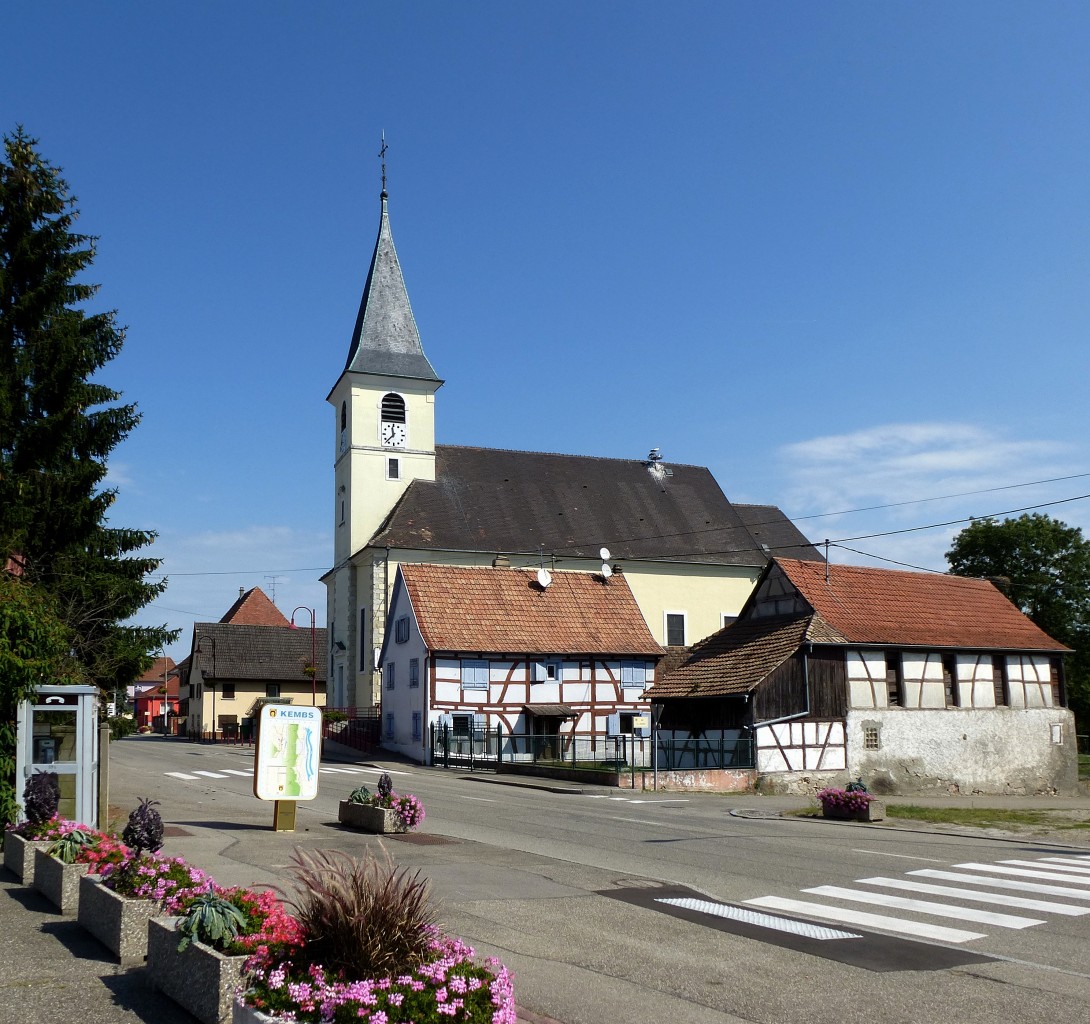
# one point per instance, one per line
(380, 820)
(58, 882)
(243, 1014)
(118, 922)
(19, 856)
(875, 811)
(197, 978)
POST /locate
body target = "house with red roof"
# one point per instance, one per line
(532, 652)
(155, 696)
(914, 682)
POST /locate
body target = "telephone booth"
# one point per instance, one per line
(58, 732)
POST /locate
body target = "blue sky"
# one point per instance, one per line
(837, 252)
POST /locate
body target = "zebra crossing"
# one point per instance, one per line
(1010, 894)
(198, 774)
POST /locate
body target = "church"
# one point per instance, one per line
(689, 555)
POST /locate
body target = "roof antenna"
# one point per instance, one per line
(826, 559)
(382, 156)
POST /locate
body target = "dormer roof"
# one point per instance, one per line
(386, 339)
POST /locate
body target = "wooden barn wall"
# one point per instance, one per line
(783, 693)
(828, 684)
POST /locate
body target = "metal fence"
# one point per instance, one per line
(359, 728)
(489, 748)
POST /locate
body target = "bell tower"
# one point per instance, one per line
(384, 439)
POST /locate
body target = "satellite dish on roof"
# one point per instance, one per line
(607, 570)
(544, 578)
(603, 554)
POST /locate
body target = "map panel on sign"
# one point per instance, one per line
(287, 753)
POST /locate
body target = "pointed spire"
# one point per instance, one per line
(386, 339)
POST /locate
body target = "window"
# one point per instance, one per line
(414, 672)
(344, 428)
(1055, 678)
(227, 691)
(393, 408)
(675, 629)
(390, 666)
(893, 679)
(389, 727)
(950, 680)
(272, 690)
(726, 620)
(460, 724)
(474, 674)
(633, 673)
(401, 630)
(341, 523)
(361, 638)
(871, 740)
(1000, 681)
(416, 725)
(548, 672)
(393, 469)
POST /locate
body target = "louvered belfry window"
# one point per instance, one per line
(393, 409)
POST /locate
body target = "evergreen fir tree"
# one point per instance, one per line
(58, 425)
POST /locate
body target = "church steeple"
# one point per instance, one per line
(386, 340)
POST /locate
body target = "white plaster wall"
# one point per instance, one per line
(866, 679)
(973, 750)
(801, 746)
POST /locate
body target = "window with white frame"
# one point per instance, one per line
(390, 666)
(474, 674)
(675, 629)
(393, 469)
(414, 672)
(416, 725)
(401, 630)
(550, 671)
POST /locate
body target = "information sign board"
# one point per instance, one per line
(286, 753)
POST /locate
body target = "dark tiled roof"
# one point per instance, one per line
(500, 611)
(253, 608)
(887, 606)
(493, 500)
(776, 533)
(385, 339)
(734, 660)
(257, 652)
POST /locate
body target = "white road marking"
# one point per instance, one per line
(1051, 876)
(640, 821)
(1081, 861)
(881, 899)
(238, 771)
(900, 856)
(880, 922)
(1004, 883)
(780, 924)
(1053, 864)
(209, 775)
(976, 896)
(478, 799)
(182, 775)
(658, 801)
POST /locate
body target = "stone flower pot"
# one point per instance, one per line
(381, 820)
(19, 856)
(874, 811)
(58, 882)
(120, 923)
(197, 978)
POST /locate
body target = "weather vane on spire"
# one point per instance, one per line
(382, 155)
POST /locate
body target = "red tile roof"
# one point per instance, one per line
(888, 606)
(498, 611)
(253, 608)
(160, 669)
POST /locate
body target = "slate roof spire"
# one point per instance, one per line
(385, 339)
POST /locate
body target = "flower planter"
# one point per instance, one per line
(381, 820)
(197, 978)
(58, 882)
(243, 1014)
(118, 922)
(19, 856)
(874, 811)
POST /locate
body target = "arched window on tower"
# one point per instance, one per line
(393, 409)
(344, 427)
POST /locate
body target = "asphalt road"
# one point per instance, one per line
(651, 907)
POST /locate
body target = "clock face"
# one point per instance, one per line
(392, 434)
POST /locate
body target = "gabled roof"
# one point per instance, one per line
(253, 608)
(913, 609)
(161, 668)
(506, 611)
(276, 653)
(385, 339)
(493, 500)
(735, 660)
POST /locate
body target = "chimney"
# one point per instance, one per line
(501, 562)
